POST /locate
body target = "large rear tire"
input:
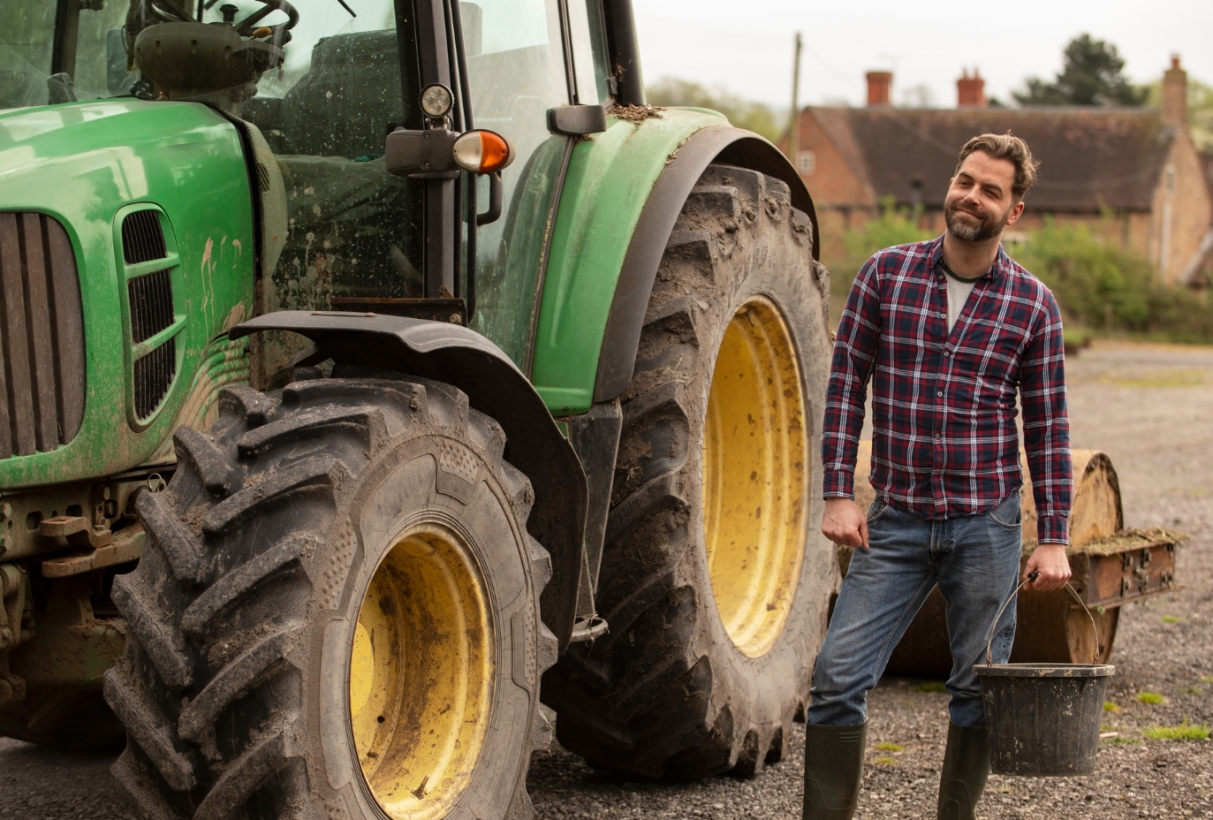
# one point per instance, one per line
(337, 615)
(715, 579)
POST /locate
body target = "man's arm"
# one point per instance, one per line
(846, 395)
(1046, 430)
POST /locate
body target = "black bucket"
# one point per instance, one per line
(1043, 718)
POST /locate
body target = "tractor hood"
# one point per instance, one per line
(88, 167)
(108, 150)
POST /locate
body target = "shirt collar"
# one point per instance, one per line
(1002, 262)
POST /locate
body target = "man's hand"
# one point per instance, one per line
(1051, 562)
(844, 523)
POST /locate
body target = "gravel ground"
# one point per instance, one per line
(1151, 409)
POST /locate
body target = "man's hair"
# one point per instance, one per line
(1011, 148)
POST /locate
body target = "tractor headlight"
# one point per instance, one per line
(436, 100)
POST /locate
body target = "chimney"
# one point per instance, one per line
(1175, 94)
(880, 83)
(971, 91)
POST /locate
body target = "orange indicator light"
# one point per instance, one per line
(483, 152)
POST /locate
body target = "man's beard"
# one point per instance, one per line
(987, 228)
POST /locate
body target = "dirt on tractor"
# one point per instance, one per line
(1147, 407)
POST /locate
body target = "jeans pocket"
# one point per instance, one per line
(876, 510)
(1008, 514)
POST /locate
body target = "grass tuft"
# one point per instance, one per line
(1125, 741)
(1184, 731)
(1206, 678)
(932, 686)
(1151, 698)
(1110, 706)
(1192, 690)
(889, 747)
(1170, 619)
(886, 761)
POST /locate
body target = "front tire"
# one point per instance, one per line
(715, 580)
(337, 615)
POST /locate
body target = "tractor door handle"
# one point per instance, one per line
(494, 211)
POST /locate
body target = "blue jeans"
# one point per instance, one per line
(975, 561)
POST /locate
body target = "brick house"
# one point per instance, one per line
(1134, 175)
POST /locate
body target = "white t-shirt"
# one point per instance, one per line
(958, 294)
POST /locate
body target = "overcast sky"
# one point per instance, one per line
(746, 46)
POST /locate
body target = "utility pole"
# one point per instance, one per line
(794, 127)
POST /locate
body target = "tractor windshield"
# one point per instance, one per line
(78, 50)
(40, 64)
(86, 49)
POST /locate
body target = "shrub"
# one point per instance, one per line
(1102, 286)
(894, 226)
(1098, 285)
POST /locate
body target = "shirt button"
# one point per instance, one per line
(940, 394)
(947, 353)
(937, 436)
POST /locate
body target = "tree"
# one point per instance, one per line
(1092, 74)
(747, 114)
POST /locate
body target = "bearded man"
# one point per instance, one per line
(947, 331)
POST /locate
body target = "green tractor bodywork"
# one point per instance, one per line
(608, 184)
(141, 221)
(88, 166)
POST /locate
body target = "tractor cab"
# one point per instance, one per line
(323, 84)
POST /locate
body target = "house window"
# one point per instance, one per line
(806, 161)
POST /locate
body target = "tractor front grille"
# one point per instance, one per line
(151, 299)
(154, 374)
(142, 238)
(41, 336)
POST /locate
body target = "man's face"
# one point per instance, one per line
(979, 203)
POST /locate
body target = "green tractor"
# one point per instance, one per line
(373, 369)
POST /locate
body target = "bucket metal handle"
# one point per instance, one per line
(1032, 577)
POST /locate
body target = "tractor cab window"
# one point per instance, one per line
(90, 62)
(588, 32)
(516, 72)
(323, 84)
(352, 229)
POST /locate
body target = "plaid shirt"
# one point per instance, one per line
(945, 441)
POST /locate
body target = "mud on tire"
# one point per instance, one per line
(672, 692)
(252, 613)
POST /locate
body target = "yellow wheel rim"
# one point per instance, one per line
(755, 470)
(421, 670)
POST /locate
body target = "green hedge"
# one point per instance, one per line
(1113, 290)
(1099, 286)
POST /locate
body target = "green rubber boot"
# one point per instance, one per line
(966, 765)
(833, 769)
